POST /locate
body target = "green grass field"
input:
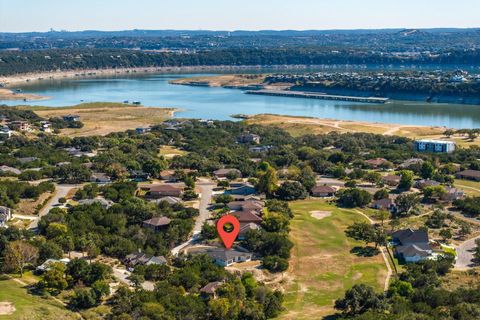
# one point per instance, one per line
(322, 267)
(30, 307)
(471, 188)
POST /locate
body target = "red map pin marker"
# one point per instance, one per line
(228, 237)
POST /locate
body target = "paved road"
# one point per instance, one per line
(122, 275)
(206, 189)
(61, 190)
(465, 254)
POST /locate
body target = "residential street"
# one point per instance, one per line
(465, 255)
(61, 191)
(206, 189)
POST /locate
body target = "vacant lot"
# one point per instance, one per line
(101, 118)
(29, 307)
(322, 267)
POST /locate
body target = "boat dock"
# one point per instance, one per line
(315, 95)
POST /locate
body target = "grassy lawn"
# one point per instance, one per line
(471, 188)
(170, 152)
(29, 306)
(322, 267)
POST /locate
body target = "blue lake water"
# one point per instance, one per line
(219, 103)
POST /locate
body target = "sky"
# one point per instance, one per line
(73, 15)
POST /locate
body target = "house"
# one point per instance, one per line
(225, 257)
(244, 228)
(375, 163)
(101, 201)
(71, 118)
(9, 170)
(323, 191)
(223, 173)
(157, 191)
(48, 264)
(412, 245)
(45, 126)
(386, 204)
(75, 152)
(411, 162)
(421, 184)
(246, 205)
(452, 194)
(247, 216)
(19, 125)
(27, 159)
(143, 130)
(156, 223)
(437, 146)
(100, 178)
(415, 252)
(169, 200)
(409, 236)
(259, 149)
(5, 132)
(5, 215)
(243, 188)
(469, 175)
(210, 289)
(249, 138)
(139, 175)
(134, 259)
(168, 175)
(391, 180)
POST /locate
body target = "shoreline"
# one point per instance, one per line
(18, 79)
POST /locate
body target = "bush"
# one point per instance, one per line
(275, 264)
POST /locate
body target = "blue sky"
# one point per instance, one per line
(41, 15)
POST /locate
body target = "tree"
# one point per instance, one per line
(381, 194)
(54, 279)
(406, 180)
(267, 179)
(360, 299)
(373, 177)
(382, 215)
(364, 231)
(406, 202)
(446, 234)
(353, 197)
(291, 190)
(448, 133)
(431, 192)
(208, 231)
(401, 288)
(307, 178)
(18, 254)
(275, 264)
(465, 229)
(427, 170)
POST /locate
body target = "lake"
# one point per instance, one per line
(219, 103)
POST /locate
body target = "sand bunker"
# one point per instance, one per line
(6, 308)
(320, 214)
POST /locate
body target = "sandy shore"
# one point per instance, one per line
(19, 79)
(7, 94)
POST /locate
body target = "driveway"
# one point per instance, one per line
(61, 190)
(206, 189)
(465, 255)
(122, 275)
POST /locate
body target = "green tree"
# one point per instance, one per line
(406, 180)
(427, 170)
(267, 179)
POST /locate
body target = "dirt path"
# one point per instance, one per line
(382, 250)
